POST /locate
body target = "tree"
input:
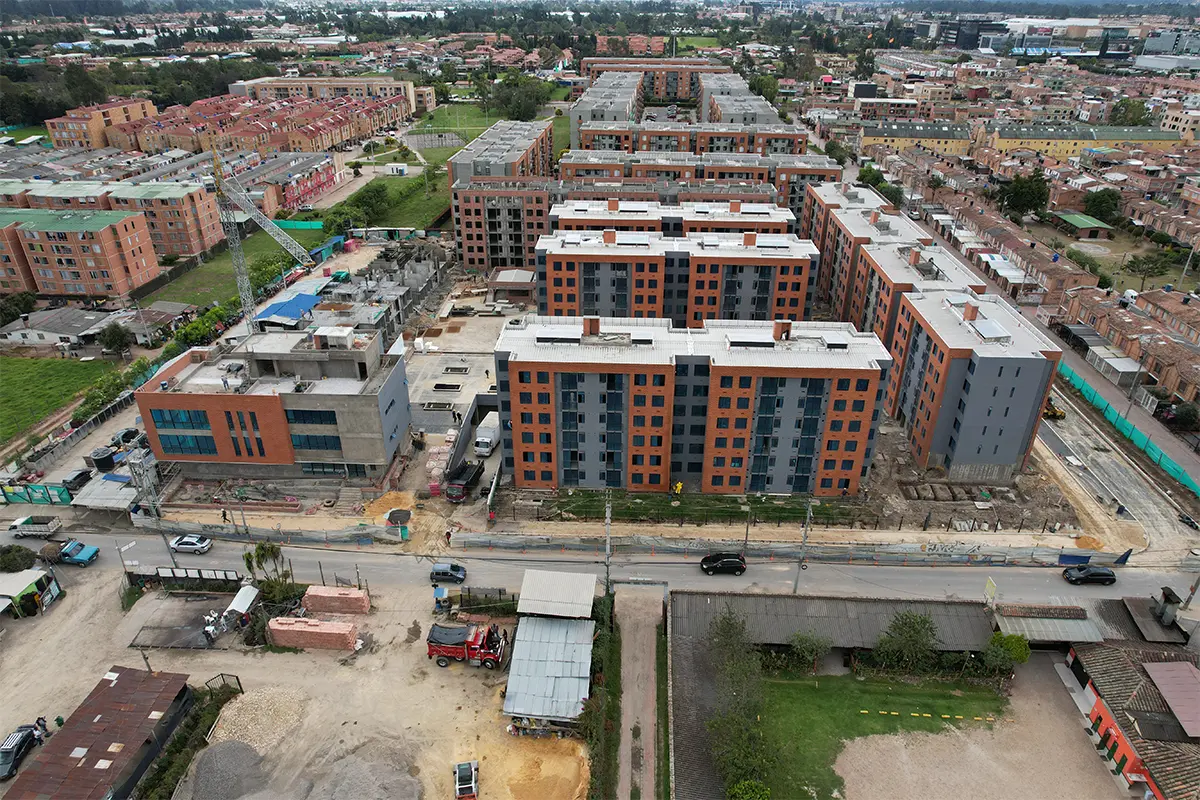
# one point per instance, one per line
(14, 305)
(864, 65)
(1026, 193)
(749, 790)
(1088, 262)
(372, 199)
(1015, 644)
(441, 92)
(1187, 417)
(765, 86)
(1103, 205)
(115, 338)
(1151, 265)
(483, 92)
(1129, 111)
(837, 151)
(343, 217)
(893, 193)
(870, 176)
(15, 558)
(809, 649)
(909, 644)
(740, 751)
(935, 182)
(1160, 238)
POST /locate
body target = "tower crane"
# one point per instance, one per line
(230, 198)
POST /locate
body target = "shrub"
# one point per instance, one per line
(15, 558)
(909, 644)
(749, 790)
(809, 649)
(169, 260)
(558, 112)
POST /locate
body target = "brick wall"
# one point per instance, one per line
(332, 600)
(312, 634)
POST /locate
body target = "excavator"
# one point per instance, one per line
(1051, 411)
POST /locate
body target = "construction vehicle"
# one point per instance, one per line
(458, 486)
(1051, 411)
(231, 198)
(466, 780)
(483, 647)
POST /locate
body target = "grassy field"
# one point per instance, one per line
(25, 133)
(416, 210)
(32, 389)
(692, 42)
(560, 93)
(439, 155)
(561, 134)
(213, 280)
(692, 507)
(808, 720)
(466, 119)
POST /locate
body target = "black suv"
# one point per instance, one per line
(1078, 575)
(77, 479)
(733, 563)
(15, 747)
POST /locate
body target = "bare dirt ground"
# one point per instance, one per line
(1037, 751)
(638, 610)
(388, 707)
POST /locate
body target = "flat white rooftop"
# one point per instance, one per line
(709, 245)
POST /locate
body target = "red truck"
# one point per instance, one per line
(483, 647)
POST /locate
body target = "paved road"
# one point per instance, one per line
(1016, 584)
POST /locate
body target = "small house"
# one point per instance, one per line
(28, 592)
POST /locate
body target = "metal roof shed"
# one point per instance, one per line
(549, 676)
(557, 594)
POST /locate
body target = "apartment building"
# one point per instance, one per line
(80, 254)
(83, 127)
(687, 279)
(635, 45)
(945, 139)
(671, 220)
(358, 87)
(970, 380)
(508, 149)
(662, 78)
(877, 108)
(700, 138)
(614, 97)
(325, 402)
(1178, 311)
(782, 170)
(182, 217)
(1067, 141)
(727, 408)
(844, 271)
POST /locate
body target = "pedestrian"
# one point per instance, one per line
(487, 373)
(447, 537)
(224, 515)
(41, 723)
(38, 737)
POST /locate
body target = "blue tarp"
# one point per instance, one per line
(292, 308)
(112, 476)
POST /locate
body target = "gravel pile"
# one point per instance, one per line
(261, 718)
(228, 770)
(352, 777)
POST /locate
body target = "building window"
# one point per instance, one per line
(178, 418)
(300, 416)
(188, 445)
(303, 441)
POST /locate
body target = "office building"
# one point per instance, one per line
(687, 279)
(729, 408)
(311, 403)
(83, 128)
(78, 255)
(970, 380)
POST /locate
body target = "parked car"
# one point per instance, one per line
(1187, 519)
(729, 563)
(124, 437)
(15, 747)
(453, 573)
(78, 553)
(77, 479)
(191, 543)
(1078, 575)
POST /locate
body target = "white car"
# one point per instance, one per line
(191, 544)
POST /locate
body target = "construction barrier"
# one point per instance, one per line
(1128, 429)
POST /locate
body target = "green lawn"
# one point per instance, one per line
(32, 389)
(561, 134)
(692, 42)
(415, 210)
(465, 119)
(26, 132)
(213, 280)
(560, 93)
(439, 155)
(808, 720)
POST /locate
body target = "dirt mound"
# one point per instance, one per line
(366, 780)
(261, 717)
(227, 771)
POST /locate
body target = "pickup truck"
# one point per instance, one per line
(462, 479)
(37, 527)
(78, 553)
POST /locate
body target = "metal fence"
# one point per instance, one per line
(361, 534)
(1127, 429)
(63, 447)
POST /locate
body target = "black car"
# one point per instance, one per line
(1187, 519)
(15, 747)
(731, 563)
(1078, 575)
(76, 480)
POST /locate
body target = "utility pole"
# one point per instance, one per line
(607, 543)
(746, 540)
(803, 548)
(144, 479)
(1191, 594)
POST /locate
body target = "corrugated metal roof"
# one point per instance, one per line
(548, 677)
(1046, 629)
(557, 594)
(1179, 684)
(845, 622)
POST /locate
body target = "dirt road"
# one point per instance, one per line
(639, 610)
